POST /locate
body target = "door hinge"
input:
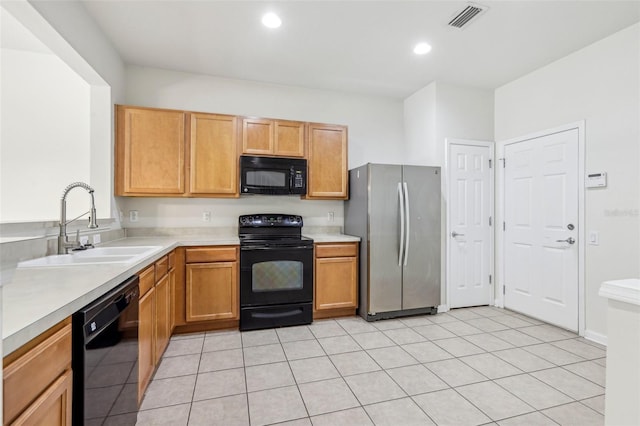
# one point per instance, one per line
(504, 163)
(489, 278)
(490, 161)
(504, 226)
(504, 290)
(490, 221)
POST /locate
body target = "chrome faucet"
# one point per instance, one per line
(63, 240)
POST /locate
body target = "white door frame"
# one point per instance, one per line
(447, 162)
(500, 208)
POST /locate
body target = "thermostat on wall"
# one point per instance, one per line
(596, 180)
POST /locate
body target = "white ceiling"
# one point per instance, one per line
(356, 46)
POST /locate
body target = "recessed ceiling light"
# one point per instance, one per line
(422, 48)
(271, 20)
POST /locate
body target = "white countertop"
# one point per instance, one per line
(622, 290)
(35, 299)
(332, 238)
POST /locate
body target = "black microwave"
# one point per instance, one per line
(273, 175)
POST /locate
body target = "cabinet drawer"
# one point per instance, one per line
(147, 280)
(337, 250)
(32, 373)
(211, 254)
(172, 260)
(162, 267)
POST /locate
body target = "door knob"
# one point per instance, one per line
(455, 234)
(569, 240)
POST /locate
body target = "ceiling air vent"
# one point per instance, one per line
(466, 15)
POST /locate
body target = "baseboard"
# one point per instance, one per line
(443, 308)
(595, 337)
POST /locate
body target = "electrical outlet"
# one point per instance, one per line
(121, 215)
(330, 216)
(96, 239)
(133, 215)
(84, 240)
(206, 216)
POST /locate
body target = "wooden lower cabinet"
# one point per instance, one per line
(172, 300)
(163, 315)
(336, 280)
(146, 341)
(37, 380)
(212, 291)
(53, 407)
(211, 284)
(154, 319)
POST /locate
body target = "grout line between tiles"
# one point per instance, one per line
(463, 337)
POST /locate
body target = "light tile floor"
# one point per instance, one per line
(469, 366)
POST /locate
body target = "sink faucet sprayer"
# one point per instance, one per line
(63, 240)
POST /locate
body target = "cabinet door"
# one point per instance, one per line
(150, 147)
(213, 160)
(336, 283)
(257, 136)
(172, 300)
(212, 291)
(53, 407)
(146, 341)
(31, 370)
(289, 139)
(327, 162)
(163, 316)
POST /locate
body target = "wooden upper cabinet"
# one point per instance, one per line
(257, 136)
(272, 137)
(327, 162)
(289, 139)
(150, 149)
(213, 155)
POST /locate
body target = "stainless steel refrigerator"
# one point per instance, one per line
(395, 210)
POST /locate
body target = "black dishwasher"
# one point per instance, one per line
(105, 355)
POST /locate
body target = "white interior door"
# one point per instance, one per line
(470, 229)
(541, 228)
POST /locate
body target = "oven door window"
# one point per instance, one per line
(266, 178)
(277, 275)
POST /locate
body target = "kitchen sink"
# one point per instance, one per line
(96, 256)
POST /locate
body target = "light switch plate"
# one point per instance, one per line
(594, 238)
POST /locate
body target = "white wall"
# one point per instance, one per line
(463, 113)
(440, 111)
(45, 134)
(375, 135)
(71, 20)
(599, 84)
(420, 127)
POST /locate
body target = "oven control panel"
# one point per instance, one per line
(270, 219)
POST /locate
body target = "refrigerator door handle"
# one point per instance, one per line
(408, 221)
(401, 199)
